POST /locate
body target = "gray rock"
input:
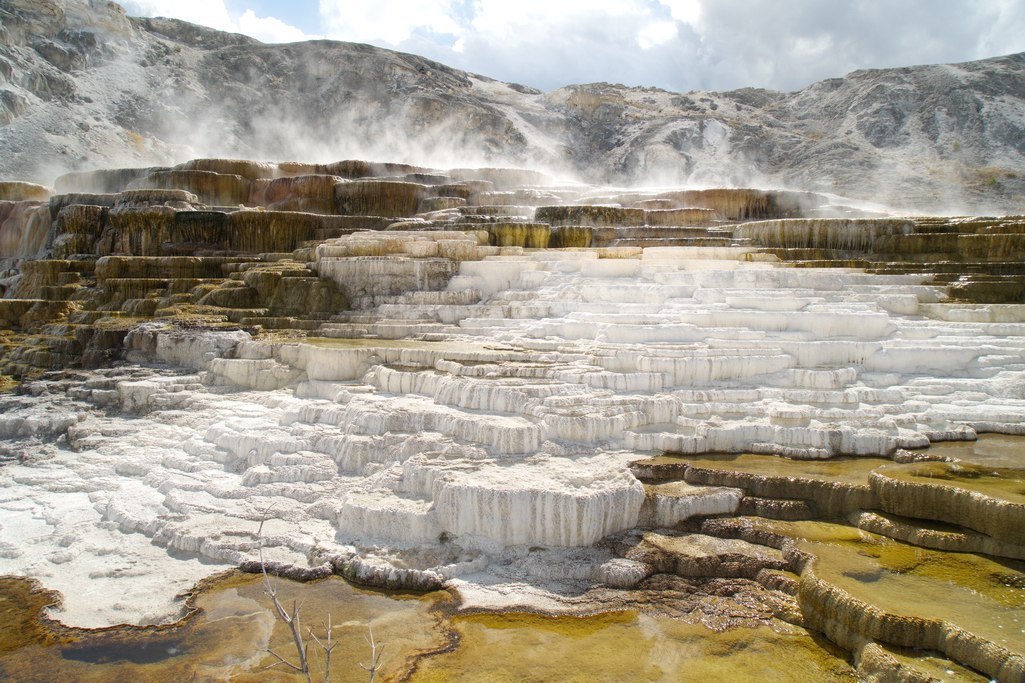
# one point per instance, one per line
(159, 91)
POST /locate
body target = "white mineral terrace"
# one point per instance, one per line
(472, 423)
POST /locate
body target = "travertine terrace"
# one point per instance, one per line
(537, 394)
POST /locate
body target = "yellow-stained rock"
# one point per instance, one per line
(81, 219)
(17, 191)
(138, 230)
(824, 233)
(250, 170)
(530, 235)
(101, 181)
(255, 232)
(310, 193)
(287, 169)
(681, 216)
(464, 188)
(24, 227)
(356, 168)
(36, 275)
(428, 204)
(175, 199)
(990, 500)
(589, 215)
(216, 189)
(168, 267)
(59, 201)
(379, 198)
(744, 204)
(571, 236)
(196, 231)
(502, 178)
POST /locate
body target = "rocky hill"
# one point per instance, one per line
(82, 86)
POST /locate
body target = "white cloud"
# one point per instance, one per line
(215, 14)
(269, 29)
(523, 21)
(656, 33)
(674, 44)
(687, 11)
(759, 43)
(539, 42)
(212, 13)
(502, 24)
(391, 23)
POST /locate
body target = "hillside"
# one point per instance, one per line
(84, 86)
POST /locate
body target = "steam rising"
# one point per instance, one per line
(159, 92)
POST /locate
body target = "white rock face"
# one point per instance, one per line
(670, 504)
(505, 422)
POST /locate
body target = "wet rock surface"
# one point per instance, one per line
(613, 402)
(762, 414)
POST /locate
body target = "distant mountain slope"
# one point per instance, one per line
(82, 85)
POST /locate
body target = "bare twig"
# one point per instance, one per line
(328, 648)
(302, 646)
(291, 619)
(375, 656)
(281, 660)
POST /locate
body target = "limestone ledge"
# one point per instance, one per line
(857, 624)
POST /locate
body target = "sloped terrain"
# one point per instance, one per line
(84, 86)
(751, 411)
(736, 407)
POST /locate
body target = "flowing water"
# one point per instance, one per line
(228, 638)
(427, 638)
(422, 639)
(465, 413)
(630, 646)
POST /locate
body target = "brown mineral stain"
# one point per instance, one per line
(629, 646)
(228, 638)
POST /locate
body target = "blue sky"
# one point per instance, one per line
(303, 14)
(678, 45)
